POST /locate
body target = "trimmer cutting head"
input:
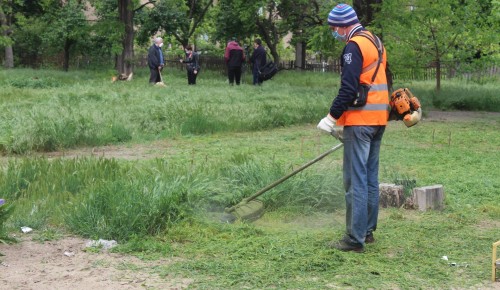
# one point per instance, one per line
(245, 211)
(250, 209)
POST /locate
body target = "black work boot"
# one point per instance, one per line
(346, 246)
(369, 239)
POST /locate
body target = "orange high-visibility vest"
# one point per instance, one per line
(375, 112)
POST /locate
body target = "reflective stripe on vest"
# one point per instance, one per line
(375, 112)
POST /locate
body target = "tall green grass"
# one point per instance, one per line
(456, 95)
(50, 110)
(108, 199)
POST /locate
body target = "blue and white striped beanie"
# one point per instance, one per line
(342, 15)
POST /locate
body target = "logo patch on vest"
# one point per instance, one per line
(348, 58)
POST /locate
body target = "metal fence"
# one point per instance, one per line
(216, 63)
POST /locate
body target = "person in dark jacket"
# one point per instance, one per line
(258, 60)
(155, 61)
(192, 64)
(234, 57)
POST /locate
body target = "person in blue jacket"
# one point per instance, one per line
(258, 60)
(155, 61)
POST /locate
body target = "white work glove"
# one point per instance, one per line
(327, 124)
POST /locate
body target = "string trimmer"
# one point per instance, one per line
(250, 209)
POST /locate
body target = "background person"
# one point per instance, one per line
(258, 60)
(192, 64)
(234, 57)
(155, 61)
(363, 127)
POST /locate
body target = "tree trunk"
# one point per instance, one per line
(300, 55)
(438, 75)
(274, 52)
(271, 39)
(125, 59)
(9, 57)
(5, 26)
(67, 46)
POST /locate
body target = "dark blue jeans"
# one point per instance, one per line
(256, 80)
(361, 163)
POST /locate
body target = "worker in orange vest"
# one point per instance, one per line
(362, 108)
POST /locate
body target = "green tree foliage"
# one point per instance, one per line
(124, 11)
(5, 23)
(66, 27)
(252, 18)
(308, 22)
(7, 18)
(302, 16)
(28, 41)
(229, 23)
(48, 27)
(176, 18)
(434, 33)
(366, 10)
(107, 31)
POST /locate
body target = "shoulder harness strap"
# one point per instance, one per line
(378, 44)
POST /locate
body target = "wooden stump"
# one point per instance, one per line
(391, 195)
(429, 197)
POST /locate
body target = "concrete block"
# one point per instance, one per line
(429, 197)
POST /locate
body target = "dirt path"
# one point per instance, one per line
(63, 264)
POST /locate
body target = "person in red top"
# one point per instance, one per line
(234, 57)
(363, 66)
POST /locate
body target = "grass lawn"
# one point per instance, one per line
(222, 144)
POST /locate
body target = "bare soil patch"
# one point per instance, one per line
(63, 264)
(152, 150)
(459, 116)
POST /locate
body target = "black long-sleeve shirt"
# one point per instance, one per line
(258, 58)
(192, 61)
